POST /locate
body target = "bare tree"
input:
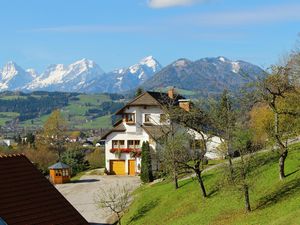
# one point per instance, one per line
(190, 143)
(276, 91)
(243, 144)
(116, 199)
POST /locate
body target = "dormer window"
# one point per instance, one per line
(147, 118)
(129, 117)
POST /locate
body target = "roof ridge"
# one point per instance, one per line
(12, 155)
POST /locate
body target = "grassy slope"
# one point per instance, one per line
(274, 202)
(75, 112)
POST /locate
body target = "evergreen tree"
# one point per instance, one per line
(146, 174)
(139, 91)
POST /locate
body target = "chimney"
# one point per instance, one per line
(185, 104)
(171, 92)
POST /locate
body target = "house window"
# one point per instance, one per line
(129, 117)
(133, 144)
(58, 173)
(118, 144)
(147, 118)
(163, 118)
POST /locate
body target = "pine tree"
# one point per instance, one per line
(138, 92)
(146, 173)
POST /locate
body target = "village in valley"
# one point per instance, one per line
(209, 140)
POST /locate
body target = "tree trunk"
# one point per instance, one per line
(230, 165)
(175, 179)
(247, 199)
(199, 177)
(119, 219)
(281, 164)
(283, 148)
(245, 185)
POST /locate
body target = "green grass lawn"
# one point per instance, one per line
(100, 122)
(273, 201)
(7, 116)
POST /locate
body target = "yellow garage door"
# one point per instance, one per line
(131, 167)
(117, 167)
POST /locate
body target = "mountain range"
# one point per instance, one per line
(208, 75)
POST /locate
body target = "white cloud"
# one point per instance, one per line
(171, 3)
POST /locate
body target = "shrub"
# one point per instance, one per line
(146, 173)
(96, 158)
(76, 160)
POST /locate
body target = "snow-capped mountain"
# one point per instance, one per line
(207, 75)
(13, 77)
(81, 76)
(127, 78)
(73, 77)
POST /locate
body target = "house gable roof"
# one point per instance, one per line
(151, 98)
(27, 197)
(156, 131)
(118, 127)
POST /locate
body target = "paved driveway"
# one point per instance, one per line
(81, 195)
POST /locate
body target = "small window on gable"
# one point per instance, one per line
(130, 117)
(147, 118)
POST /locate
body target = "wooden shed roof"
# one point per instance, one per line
(28, 198)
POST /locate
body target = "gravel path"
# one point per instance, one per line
(81, 195)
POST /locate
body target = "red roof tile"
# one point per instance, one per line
(28, 198)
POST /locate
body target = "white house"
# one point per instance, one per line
(143, 119)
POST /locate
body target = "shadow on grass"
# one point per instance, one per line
(213, 192)
(285, 191)
(143, 210)
(186, 182)
(289, 174)
(85, 181)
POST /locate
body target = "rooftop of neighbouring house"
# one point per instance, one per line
(27, 197)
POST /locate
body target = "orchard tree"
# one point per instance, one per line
(282, 97)
(188, 144)
(242, 142)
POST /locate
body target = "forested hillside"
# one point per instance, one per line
(82, 111)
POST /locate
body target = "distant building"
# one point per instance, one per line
(6, 142)
(27, 197)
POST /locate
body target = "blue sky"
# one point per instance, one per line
(118, 33)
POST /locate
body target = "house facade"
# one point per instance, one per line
(143, 119)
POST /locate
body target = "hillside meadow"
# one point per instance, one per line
(273, 202)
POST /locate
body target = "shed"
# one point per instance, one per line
(60, 173)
